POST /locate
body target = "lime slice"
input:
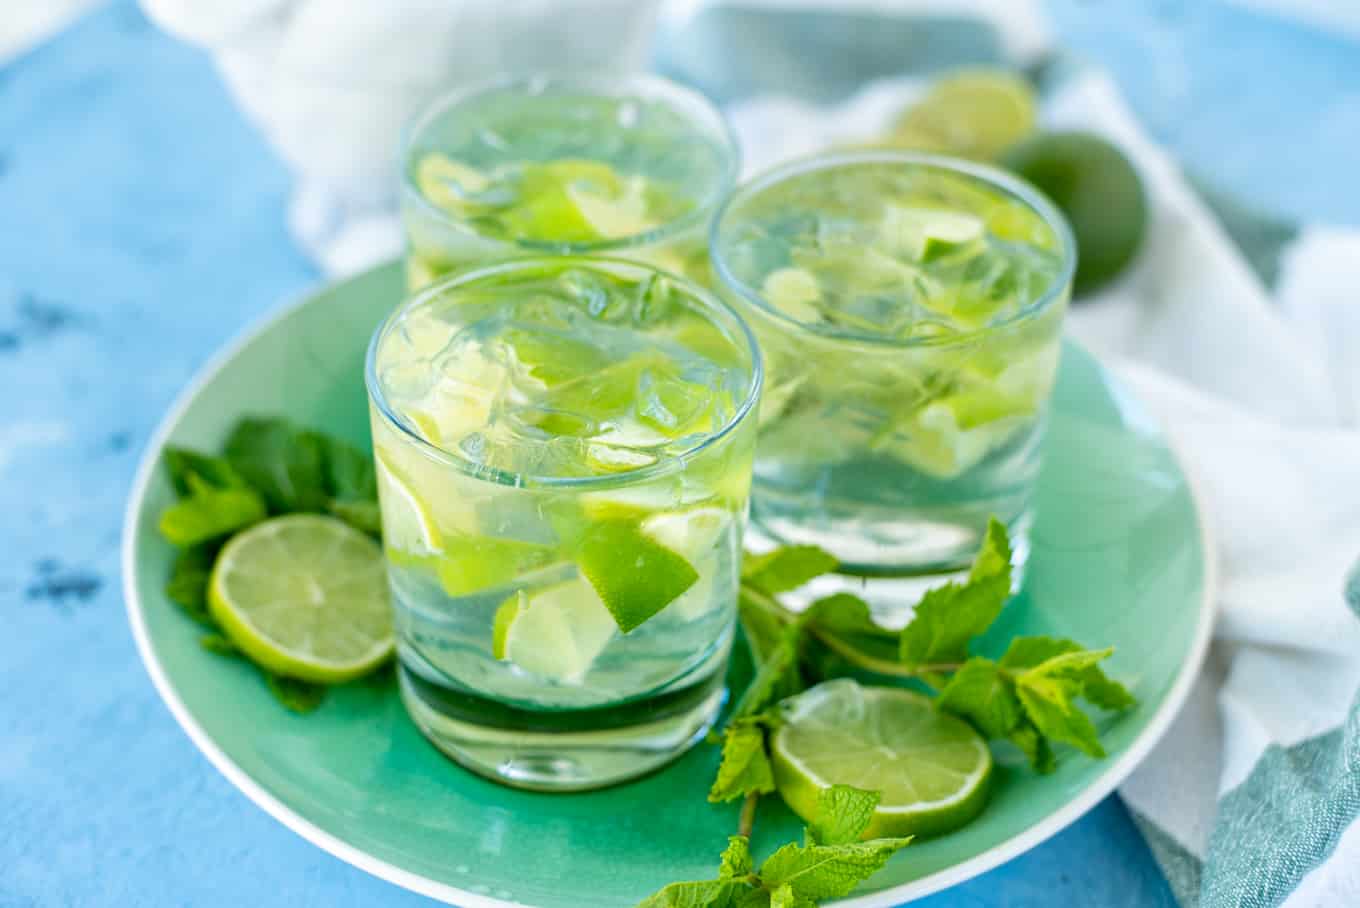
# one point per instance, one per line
(975, 113)
(450, 184)
(472, 563)
(931, 768)
(927, 234)
(555, 632)
(305, 596)
(615, 217)
(694, 535)
(795, 292)
(550, 196)
(635, 575)
(408, 527)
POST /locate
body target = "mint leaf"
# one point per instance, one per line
(287, 466)
(361, 514)
(703, 894)
(295, 695)
(786, 568)
(843, 813)
(980, 693)
(763, 631)
(188, 583)
(777, 677)
(847, 614)
(1034, 746)
(736, 859)
(818, 872)
(349, 472)
(786, 897)
(949, 616)
(207, 513)
(745, 766)
(994, 558)
(219, 644)
(214, 471)
(1096, 687)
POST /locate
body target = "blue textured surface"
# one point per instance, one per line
(141, 225)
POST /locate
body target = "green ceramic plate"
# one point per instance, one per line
(1119, 558)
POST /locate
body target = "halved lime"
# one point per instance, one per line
(931, 768)
(555, 632)
(974, 113)
(1099, 190)
(305, 596)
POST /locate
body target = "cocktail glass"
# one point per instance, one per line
(564, 454)
(909, 308)
(627, 166)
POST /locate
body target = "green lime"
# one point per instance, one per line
(449, 184)
(635, 575)
(974, 113)
(472, 563)
(927, 234)
(305, 596)
(931, 768)
(695, 535)
(555, 632)
(795, 292)
(1098, 189)
(407, 526)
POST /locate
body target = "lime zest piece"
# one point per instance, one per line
(635, 576)
(305, 596)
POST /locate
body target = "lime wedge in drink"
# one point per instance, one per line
(305, 596)
(554, 632)
(926, 234)
(975, 113)
(634, 575)
(472, 563)
(693, 534)
(931, 768)
(407, 526)
(450, 184)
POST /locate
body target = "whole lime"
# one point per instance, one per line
(1100, 192)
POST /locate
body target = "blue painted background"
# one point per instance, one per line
(141, 224)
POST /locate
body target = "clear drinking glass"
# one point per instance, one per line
(564, 454)
(632, 166)
(909, 308)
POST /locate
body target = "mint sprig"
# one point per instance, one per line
(268, 466)
(829, 863)
(1028, 696)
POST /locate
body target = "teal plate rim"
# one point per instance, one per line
(1118, 768)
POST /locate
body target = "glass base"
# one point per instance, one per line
(564, 750)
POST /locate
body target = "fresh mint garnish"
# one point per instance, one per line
(1026, 696)
(268, 467)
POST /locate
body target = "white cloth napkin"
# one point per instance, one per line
(332, 83)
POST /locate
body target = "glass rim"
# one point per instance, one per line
(693, 105)
(1014, 186)
(711, 304)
